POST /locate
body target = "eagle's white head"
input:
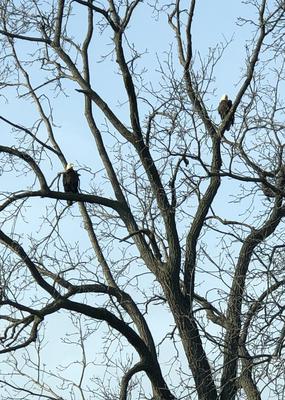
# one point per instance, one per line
(224, 97)
(68, 166)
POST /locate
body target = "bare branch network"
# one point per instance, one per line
(142, 220)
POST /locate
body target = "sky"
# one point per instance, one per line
(215, 22)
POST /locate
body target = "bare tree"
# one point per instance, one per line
(165, 273)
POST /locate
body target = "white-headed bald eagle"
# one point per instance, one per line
(70, 180)
(224, 108)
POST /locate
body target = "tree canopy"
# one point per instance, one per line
(163, 276)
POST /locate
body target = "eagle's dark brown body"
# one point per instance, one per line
(70, 180)
(224, 108)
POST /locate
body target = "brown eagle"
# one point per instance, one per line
(223, 109)
(70, 180)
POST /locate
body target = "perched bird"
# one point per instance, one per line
(223, 109)
(70, 180)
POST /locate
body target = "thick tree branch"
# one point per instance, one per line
(127, 377)
(198, 221)
(58, 22)
(103, 201)
(132, 337)
(232, 337)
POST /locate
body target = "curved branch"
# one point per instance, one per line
(214, 315)
(127, 377)
(19, 306)
(99, 11)
(132, 337)
(129, 12)
(27, 158)
(32, 337)
(18, 249)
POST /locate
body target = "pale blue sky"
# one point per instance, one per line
(214, 22)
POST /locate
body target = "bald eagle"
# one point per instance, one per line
(70, 180)
(224, 108)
